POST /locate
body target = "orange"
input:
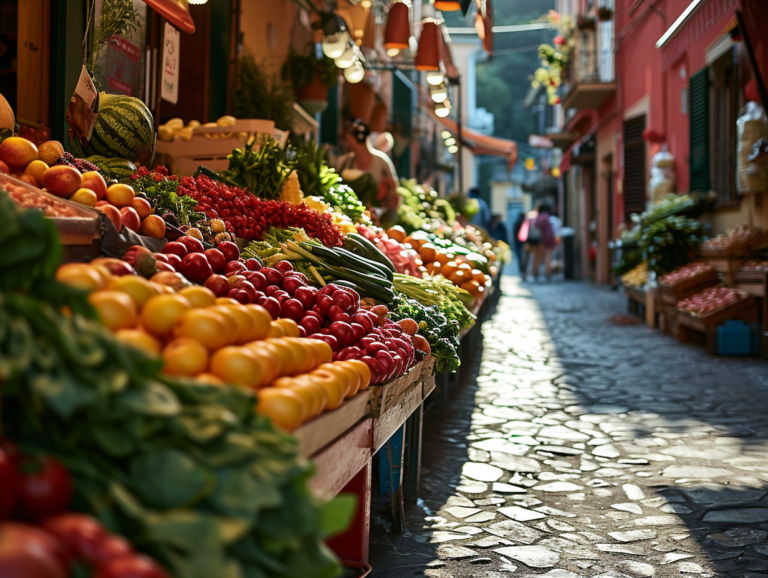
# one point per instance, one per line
(209, 378)
(36, 169)
(237, 365)
(185, 356)
(396, 233)
(199, 296)
(276, 331)
(458, 277)
(207, 326)
(160, 313)
(428, 252)
(283, 406)
(473, 288)
(83, 197)
(465, 267)
(443, 257)
(230, 320)
(296, 351)
(242, 319)
(334, 384)
(350, 376)
(460, 259)
(363, 370)
(116, 310)
(414, 243)
(356, 379)
(307, 398)
(433, 268)
(138, 288)
(323, 351)
(227, 301)
(139, 339)
(449, 269)
(120, 195)
(487, 280)
(289, 326)
(261, 320)
(268, 359)
(311, 353)
(478, 275)
(80, 275)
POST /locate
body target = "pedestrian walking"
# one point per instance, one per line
(541, 240)
(498, 229)
(518, 244)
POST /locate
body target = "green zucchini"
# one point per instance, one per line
(372, 251)
(337, 258)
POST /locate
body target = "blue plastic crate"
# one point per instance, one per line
(734, 338)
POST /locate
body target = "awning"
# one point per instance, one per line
(174, 11)
(481, 144)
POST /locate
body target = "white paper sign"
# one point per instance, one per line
(169, 90)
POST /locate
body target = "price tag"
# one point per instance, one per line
(169, 89)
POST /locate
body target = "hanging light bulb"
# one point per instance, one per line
(453, 150)
(354, 73)
(336, 36)
(446, 134)
(450, 142)
(443, 109)
(198, 2)
(435, 77)
(347, 59)
(439, 93)
(428, 55)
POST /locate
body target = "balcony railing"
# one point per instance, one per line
(590, 71)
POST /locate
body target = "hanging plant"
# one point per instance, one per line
(117, 17)
(301, 69)
(604, 13)
(586, 23)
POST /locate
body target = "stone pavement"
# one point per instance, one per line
(577, 447)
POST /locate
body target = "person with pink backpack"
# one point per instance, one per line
(538, 235)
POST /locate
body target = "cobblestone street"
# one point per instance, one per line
(578, 447)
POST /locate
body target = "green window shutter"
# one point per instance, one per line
(698, 111)
(635, 174)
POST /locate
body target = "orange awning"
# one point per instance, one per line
(481, 144)
(174, 11)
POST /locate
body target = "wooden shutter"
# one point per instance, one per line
(635, 177)
(698, 117)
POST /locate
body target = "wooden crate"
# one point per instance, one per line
(689, 325)
(727, 266)
(669, 315)
(635, 294)
(672, 294)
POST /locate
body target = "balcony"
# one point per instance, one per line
(591, 80)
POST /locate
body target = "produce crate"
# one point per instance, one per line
(692, 328)
(80, 233)
(386, 395)
(671, 294)
(727, 266)
(183, 157)
(737, 249)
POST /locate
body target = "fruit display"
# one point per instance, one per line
(710, 300)
(175, 129)
(27, 199)
(637, 277)
(742, 238)
(685, 273)
(421, 208)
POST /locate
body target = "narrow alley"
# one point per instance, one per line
(577, 446)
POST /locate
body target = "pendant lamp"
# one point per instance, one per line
(443, 109)
(447, 5)
(398, 30)
(428, 55)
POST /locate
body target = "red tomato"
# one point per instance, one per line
(133, 567)
(80, 534)
(29, 552)
(46, 488)
(9, 482)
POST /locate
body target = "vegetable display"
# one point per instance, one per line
(684, 273)
(262, 171)
(710, 300)
(124, 128)
(668, 243)
(187, 471)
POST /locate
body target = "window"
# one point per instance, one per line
(713, 109)
(723, 113)
(635, 177)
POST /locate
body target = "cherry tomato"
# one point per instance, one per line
(46, 488)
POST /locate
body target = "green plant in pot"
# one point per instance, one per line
(310, 76)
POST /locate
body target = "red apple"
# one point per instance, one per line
(193, 245)
(196, 268)
(218, 284)
(230, 250)
(131, 218)
(114, 215)
(173, 260)
(174, 248)
(94, 181)
(117, 267)
(216, 259)
(234, 267)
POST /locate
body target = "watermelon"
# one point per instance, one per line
(124, 128)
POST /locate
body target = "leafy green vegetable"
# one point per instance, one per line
(315, 176)
(161, 189)
(262, 171)
(668, 243)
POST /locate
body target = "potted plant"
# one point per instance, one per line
(310, 76)
(586, 23)
(604, 13)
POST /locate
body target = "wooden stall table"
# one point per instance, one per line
(693, 328)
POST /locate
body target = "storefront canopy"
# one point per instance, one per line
(481, 144)
(174, 11)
